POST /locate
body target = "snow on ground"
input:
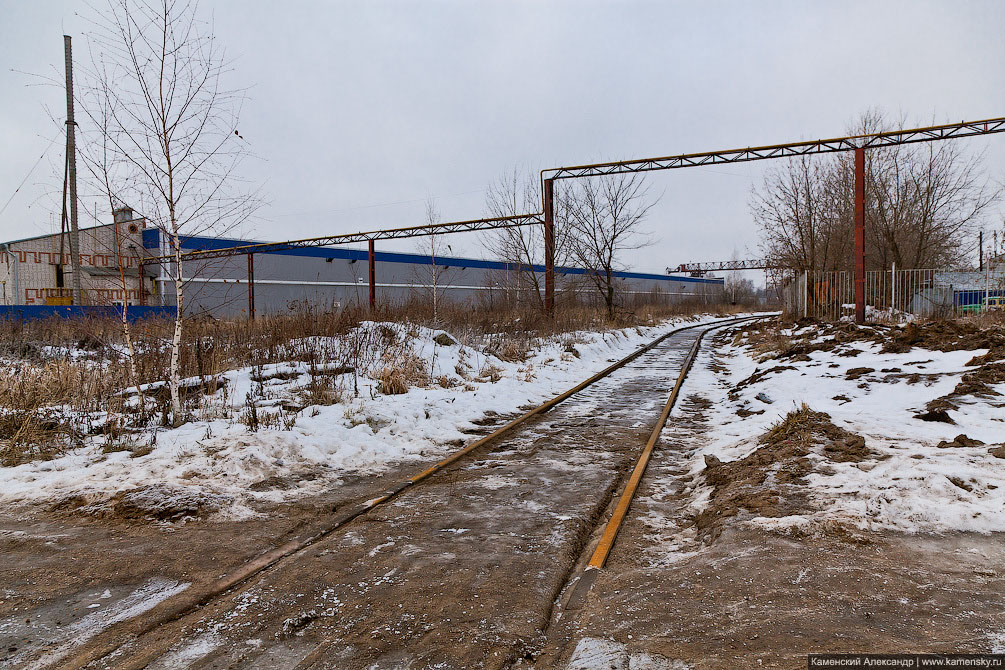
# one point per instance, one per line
(593, 653)
(362, 434)
(63, 639)
(908, 488)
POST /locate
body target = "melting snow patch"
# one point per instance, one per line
(188, 652)
(72, 636)
(593, 653)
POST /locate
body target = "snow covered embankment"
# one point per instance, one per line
(221, 464)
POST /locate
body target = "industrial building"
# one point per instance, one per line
(36, 271)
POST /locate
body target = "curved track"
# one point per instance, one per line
(458, 566)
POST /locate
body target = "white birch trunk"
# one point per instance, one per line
(175, 381)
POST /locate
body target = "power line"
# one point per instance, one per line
(23, 181)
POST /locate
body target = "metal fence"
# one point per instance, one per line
(893, 293)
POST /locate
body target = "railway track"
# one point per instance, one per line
(459, 564)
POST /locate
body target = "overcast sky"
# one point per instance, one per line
(359, 111)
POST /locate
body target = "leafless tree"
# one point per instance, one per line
(522, 247)
(434, 278)
(606, 217)
(172, 131)
(100, 166)
(923, 204)
(800, 214)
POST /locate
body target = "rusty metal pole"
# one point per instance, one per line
(251, 287)
(549, 246)
(373, 275)
(860, 235)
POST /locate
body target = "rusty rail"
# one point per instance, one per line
(613, 526)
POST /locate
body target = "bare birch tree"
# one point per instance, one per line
(606, 217)
(434, 277)
(172, 129)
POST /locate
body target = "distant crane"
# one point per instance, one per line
(699, 269)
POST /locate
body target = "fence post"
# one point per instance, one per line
(893, 288)
(806, 292)
(987, 286)
(860, 235)
(142, 282)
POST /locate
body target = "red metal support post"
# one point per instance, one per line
(373, 275)
(251, 287)
(142, 282)
(860, 235)
(549, 246)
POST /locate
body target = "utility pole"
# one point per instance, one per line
(71, 162)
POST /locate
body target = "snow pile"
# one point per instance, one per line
(304, 449)
(910, 483)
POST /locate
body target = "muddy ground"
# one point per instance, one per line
(473, 569)
(461, 571)
(754, 598)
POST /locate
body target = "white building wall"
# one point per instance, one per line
(28, 268)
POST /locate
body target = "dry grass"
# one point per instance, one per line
(401, 373)
(57, 369)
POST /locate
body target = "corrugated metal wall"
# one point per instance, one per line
(337, 276)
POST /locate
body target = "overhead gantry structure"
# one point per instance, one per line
(546, 217)
(855, 143)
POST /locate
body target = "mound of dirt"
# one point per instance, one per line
(960, 441)
(950, 335)
(768, 481)
(936, 414)
(165, 503)
(757, 376)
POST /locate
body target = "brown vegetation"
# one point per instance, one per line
(67, 379)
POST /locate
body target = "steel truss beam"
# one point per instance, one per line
(350, 238)
(871, 141)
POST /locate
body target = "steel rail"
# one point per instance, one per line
(185, 603)
(606, 543)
